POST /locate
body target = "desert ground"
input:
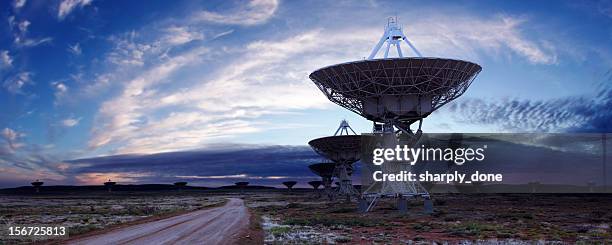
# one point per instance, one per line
(457, 218)
(301, 217)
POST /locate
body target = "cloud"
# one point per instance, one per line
(15, 83)
(70, 122)
(253, 13)
(463, 36)
(220, 165)
(267, 77)
(67, 6)
(22, 162)
(31, 42)
(19, 4)
(222, 34)
(10, 141)
(5, 59)
(61, 89)
(20, 30)
(119, 177)
(75, 49)
(202, 111)
(122, 114)
(128, 52)
(233, 176)
(99, 83)
(23, 26)
(181, 35)
(569, 114)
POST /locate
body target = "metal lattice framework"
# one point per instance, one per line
(440, 80)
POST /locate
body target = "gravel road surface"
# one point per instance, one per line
(219, 225)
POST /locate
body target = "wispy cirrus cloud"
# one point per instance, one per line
(70, 122)
(19, 4)
(61, 89)
(68, 6)
(253, 13)
(269, 77)
(15, 84)
(75, 49)
(465, 37)
(180, 35)
(21, 162)
(20, 33)
(10, 140)
(122, 115)
(6, 61)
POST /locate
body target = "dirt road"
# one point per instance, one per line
(211, 226)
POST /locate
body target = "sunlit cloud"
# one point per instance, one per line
(6, 61)
(70, 122)
(19, 4)
(253, 13)
(236, 96)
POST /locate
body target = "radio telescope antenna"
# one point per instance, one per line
(109, 185)
(326, 171)
(37, 184)
(394, 93)
(343, 150)
(393, 35)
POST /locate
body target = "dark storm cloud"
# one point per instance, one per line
(570, 114)
(261, 165)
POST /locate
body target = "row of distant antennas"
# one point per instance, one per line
(393, 35)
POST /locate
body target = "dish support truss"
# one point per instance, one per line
(393, 35)
(401, 190)
(344, 128)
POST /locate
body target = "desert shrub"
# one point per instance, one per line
(342, 239)
(422, 227)
(141, 210)
(279, 230)
(325, 221)
(469, 229)
(79, 229)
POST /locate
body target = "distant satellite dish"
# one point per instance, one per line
(326, 171)
(109, 185)
(344, 150)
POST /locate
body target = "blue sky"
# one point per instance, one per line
(86, 78)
